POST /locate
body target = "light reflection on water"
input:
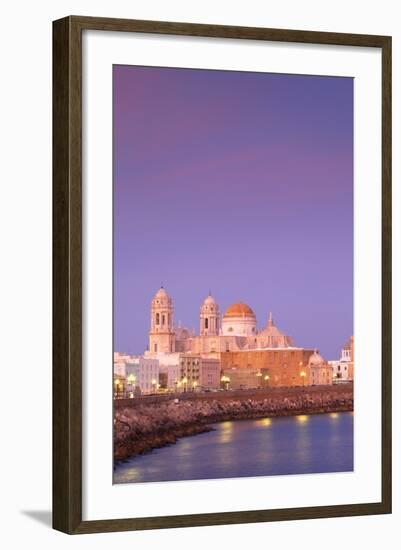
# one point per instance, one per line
(265, 422)
(225, 432)
(268, 446)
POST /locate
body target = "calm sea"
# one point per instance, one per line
(265, 447)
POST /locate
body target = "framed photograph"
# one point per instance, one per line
(222, 275)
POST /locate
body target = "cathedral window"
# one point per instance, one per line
(157, 318)
(163, 319)
(155, 347)
(206, 323)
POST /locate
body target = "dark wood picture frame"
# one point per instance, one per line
(67, 274)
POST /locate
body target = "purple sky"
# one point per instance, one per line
(238, 182)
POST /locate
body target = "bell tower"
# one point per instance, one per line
(161, 335)
(209, 317)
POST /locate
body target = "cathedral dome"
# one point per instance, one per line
(272, 337)
(316, 360)
(239, 320)
(239, 310)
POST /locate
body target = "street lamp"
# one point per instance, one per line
(302, 375)
(225, 380)
(267, 378)
(131, 379)
(185, 382)
(116, 384)
(194, 384)
(154, 384)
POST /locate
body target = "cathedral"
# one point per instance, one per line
(235, 331)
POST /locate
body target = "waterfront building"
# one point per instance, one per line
(210, 373)
(321, 372)
(121, 357)
(141, 376)
(169, 369)
(198, 373)
(273, 367)
(119, 363)
(343, 369)
(119, 368)
(234, 341)
(236, 378)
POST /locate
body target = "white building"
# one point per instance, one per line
(141, 375)
(343, 370)
(320, 370)
(119, 363)
(169, 368)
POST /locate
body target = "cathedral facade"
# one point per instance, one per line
(234, 331)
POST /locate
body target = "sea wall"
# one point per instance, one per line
(146, 425)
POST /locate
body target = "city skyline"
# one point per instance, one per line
(236, 182)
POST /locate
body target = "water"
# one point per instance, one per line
(269, 446)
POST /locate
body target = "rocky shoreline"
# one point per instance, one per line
(142, 428)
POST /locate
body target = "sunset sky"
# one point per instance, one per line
(238, 182)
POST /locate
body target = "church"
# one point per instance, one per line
(232, 344)
(236, 330)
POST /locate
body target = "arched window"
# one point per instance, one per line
(206, 323)
(163, 319)
(157, 318)
(156, 348)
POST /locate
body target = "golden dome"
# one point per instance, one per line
(239, 310)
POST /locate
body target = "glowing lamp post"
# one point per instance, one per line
(226, 381)
(267, 378)
(154, 385)
(302, 375)
(116, 387)
(131, 379)
(185, 382)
